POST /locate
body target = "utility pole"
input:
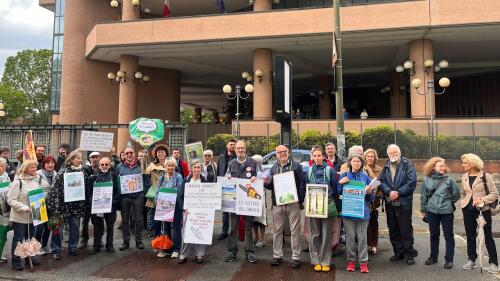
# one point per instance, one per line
(337, 65)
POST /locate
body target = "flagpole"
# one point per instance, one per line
(339, 94)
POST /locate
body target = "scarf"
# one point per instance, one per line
(48, 175)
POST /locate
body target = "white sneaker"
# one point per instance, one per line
(493, 268)
(175, 255)
(161, 254)
(469, 265)
(41, 252)
(259, 244)
(3, 259)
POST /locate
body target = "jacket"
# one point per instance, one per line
(362, 177)
(55, 200)
(223, 163)
(291, 165)
(4, 206)
(244, 170)
(477, 191)
(439, 199)
(59, 162)
(405, 181)
(47, 182)
(155, 171)
(106, 177)
(123, 169)
(209, 171)
(11, 169)
(318, 176)
(17, 198)
(182, 167)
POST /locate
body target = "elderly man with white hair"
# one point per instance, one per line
(209, 167)
(398, 181)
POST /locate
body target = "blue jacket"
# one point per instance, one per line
(362, 177)
(319, 176)
(404, 183)
(124, 169)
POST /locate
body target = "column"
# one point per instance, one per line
(197, 115)
(325, 99)
(262, 93)
(127, 104)
(129, 11)
(262, 5)
(420, 50)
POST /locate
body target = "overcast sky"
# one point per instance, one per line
(23, 25)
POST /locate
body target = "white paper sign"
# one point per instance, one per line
(249, 198)
(74, 187)
(96, 141)
(228, 188)
(102, 197)
(285, 190)
(131, 184)
(199, 226)
(206, 196)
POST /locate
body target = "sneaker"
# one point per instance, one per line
(259, 244)
(410, 260)
(276, 261)
(351, 266)
(448, 265)
(363, 267)
(296, 264)
(374, 250)
(325, 268)
(430, 261)
(230, 257)
(493, 269)
(181, 260)
(41, 252)
(161, 254)
(252, 258)
(199, 259)
(469, 265)
(317, 268)
(175, 255)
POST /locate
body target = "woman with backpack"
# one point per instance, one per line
(478, 192)
(320, 230)
(438, 196)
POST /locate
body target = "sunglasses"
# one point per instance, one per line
(207, 155)
(104, 165)
(129, 153)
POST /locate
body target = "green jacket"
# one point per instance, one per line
(439, 199)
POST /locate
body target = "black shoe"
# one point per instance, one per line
(35, 261)
(410, 260)
(17, 267)
(73, 253)
(94, 251)
(397, 257)
(124, 246)
(57, 256)
(415, 253)
(110, 250)
(448, 265)
(276, 261)
(139, 245)
(296, 264)
(430, 261)
(83, 244)
(222, 236)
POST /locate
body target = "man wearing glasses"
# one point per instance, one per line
(209, 168)
(292, 211)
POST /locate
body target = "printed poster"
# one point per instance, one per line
(285, 189)
(96, 141)
(74, 187)
(206, 196)
(38, 206)
(102, 197)
(4, 186)
(199, 226)
(249, 197)
(353, 199)
(317, 201)
(194, 151)
(165, 204)
(131, 184)
(228, 188)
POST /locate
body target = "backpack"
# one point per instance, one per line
(494, 207)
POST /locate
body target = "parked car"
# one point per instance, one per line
(301, 156)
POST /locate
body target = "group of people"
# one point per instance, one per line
(397, 177)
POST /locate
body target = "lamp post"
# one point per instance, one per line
(339, 97)
(238, 94)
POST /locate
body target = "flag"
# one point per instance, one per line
(334, 51)
(221, 6)
(29, 147)
(166, 9)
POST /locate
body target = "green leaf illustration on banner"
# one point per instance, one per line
(146, 131)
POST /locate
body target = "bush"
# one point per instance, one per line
(378, 138)
(217, 143)
(310, 138)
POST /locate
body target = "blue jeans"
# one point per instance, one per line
(74, 235)
(42, 233)
(435, 220)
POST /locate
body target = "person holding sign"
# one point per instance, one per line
(289, 210)
(373, 170)
(320, 243)
(21, 213)
(131, 198)
(171, 180)
(104, 185)
(154, 170)
(357, 195)
(47, 174)
(4, 207)
(67, 198)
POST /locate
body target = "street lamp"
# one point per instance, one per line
(238, 94)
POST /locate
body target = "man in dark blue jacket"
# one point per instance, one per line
(222, 164)
(398, 181)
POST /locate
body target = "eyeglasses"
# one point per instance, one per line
(282, 152)
(104, 165)
(129, 153)
(207, 155)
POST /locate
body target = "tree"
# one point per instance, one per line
(15, 103)
(29, 72)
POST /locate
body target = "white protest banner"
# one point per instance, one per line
(249, 198)
(285, 190)
(165, 204)
(74, 187)
(96, 141)
(206, 196)
(228, 187)
(131, 184)
(102, 197)
(199, 226)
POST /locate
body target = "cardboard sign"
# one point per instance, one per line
(249, 198)
(74, 187)
(96, 141)
(38, 206)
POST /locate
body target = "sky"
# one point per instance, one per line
(23, 25)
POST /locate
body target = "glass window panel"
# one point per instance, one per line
(60, 39)
(58, 7)
(61, 25)
(63, 5)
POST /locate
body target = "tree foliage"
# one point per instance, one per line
(15, 103)
(29, 72)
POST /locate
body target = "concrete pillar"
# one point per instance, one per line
(127, 105)
(262, 5)
(129, 11)
(325, 100)
(197, 115)
(263, 92)
(420, 50)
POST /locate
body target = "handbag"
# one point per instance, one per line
(494, 208)
(332, 209)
